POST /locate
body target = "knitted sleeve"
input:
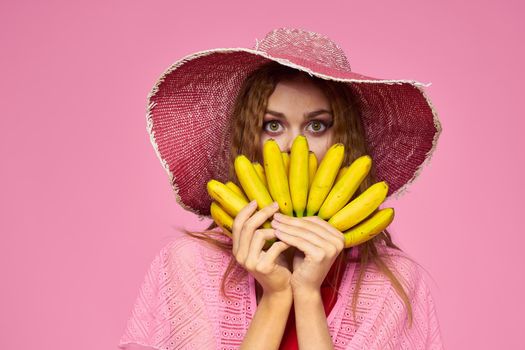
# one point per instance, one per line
(390, 329)
(169, 311)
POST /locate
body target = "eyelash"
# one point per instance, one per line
(325, 124)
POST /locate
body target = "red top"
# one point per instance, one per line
(289, 340)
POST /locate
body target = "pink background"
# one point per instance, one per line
(85, 204)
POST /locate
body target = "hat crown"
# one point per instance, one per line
(298, 46)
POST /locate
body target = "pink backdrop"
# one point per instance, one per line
(85, 204)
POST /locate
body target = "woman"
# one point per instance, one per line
(306, 291)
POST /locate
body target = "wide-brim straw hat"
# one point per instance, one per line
(190, 105)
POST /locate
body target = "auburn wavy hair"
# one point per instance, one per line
(246, 123)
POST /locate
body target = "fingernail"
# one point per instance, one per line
(252, 203)
(277, 216)
(275, 205)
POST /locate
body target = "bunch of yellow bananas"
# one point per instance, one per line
(301, 188)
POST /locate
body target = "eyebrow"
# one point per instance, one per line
(307, 115)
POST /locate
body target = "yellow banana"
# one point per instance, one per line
(286, 161)
(369, 228)
(220, 216)
(312, 168)
(344, 189)
(324, 178)
(260, 171)
(232, 186)
(230, 201)
(267, 224)
(251, 183)
(276, 176)
(342, 171)
(298, 175)
(359, 208)
(225, 221)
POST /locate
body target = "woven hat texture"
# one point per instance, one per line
(190, 105)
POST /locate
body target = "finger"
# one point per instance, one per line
(309, 249)
(269, 257)
(313, 226)
(258, 241)
(238, 222)
(322, 241)
(249, 227)
(257, 219)
(317, 220)
(297, 222)
(338, 235)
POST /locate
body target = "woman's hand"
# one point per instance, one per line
(269, 267)
(320, 244)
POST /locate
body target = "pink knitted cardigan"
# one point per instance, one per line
(180, 306)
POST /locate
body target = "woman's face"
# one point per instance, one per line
(298, 107)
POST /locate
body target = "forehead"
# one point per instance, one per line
(297, 94)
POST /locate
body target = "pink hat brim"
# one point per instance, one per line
(189, 106)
